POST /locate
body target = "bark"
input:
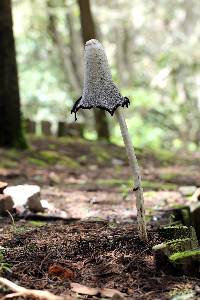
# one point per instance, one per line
(65, 61)
(89, 32)
(10, 118)
(119, 56)
(75, 53)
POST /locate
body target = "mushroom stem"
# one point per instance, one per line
(135, 172)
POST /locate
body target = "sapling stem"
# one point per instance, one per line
(135, 172)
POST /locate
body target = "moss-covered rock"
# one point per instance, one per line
(164, 250)
(175, 232)
(179, 256)
(163, 253)
(175, 246)
(49, 156)
(186, 262)
(68, 162)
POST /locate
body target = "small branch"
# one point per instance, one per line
(12, 219)
(20, 291)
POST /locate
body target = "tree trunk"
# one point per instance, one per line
(74, 40)
(66, 63)
(10, 119)
(89, 32)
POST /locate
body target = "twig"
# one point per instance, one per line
(20, 291)
(12, 219)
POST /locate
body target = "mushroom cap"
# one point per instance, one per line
(99, 90)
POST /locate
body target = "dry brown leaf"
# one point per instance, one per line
(84, 290)
(61, 272)
(109, 293)
(104, 292)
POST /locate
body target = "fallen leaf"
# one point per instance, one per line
(104, 292)
(61, 272)
(109, 293)
(82, 289)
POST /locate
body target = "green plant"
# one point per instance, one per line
(4, 266)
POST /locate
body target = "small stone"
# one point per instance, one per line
(3, 185)
(53, 178)
(187, 190)
(26, 196)
(196, 195)
(6, 203)
(117, 162)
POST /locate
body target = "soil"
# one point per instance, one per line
(98, 253)
(103, 248)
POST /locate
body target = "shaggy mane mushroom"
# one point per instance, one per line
(100, 92)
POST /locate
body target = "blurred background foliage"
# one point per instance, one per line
(154, 51)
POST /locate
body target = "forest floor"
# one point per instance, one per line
(91, 182)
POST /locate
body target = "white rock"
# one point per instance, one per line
(25, 195)
(196, 195)
(187, 190)
(116, 161)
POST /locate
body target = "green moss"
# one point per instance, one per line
(21, 229)
(179, 244)
(4, 266)
(174, 246)
(72, 140)
(183, 294)
(164, 155)
(12, 154)
(52, 146)
(176, 241)
(7, 163)
(49, 156)
(153, 185)
(175, 227)
(100, 153)
(168, 176)
(68, 162)
(37, 162)
(37, 223)
(82, 159)
(180, 255)
(113, 182)
(174, 232)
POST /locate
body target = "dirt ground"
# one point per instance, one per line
(92, 183)
(98, 253)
